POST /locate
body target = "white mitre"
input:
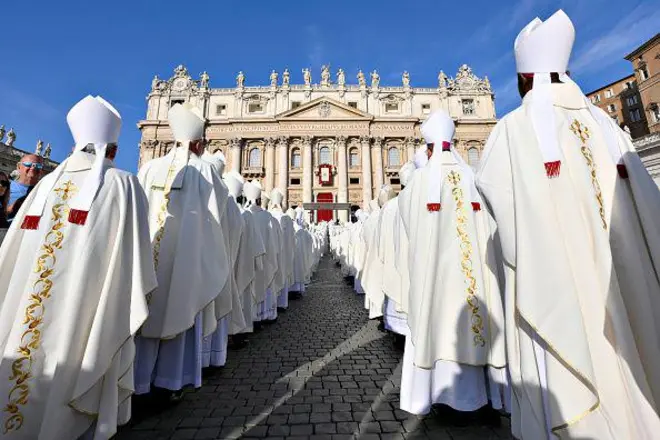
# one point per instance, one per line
(541, 48)
(92, 121)
(421, 158)
(186, 123)
(252, 192)
(385, 194)
(291, 213)
(438, 130)
(216, 159)
(406, 172)
(276, 196)
(234, 182)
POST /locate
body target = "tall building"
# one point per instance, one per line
(646, 64)
(622, 101)
(10, 155)
(325, 141)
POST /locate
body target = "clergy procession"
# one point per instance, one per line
(526, 290)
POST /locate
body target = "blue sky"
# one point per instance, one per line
(54, 53)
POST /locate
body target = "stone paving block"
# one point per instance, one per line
(325, 428)
(184, 434)
(302, 430)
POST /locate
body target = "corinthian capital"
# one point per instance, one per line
(377, 142)
(270, 142)
(365, 139)
(306, 140)
(235, 142)
(341, 141)
(283, 141)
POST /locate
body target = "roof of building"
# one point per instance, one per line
(631, 76)
(652, 41)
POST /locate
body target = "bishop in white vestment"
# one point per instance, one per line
(577, 215)
(250, 258)
(288, 246)
(394, 258)
(214, 347)
(186, 207)
(455, 312)
(75, 271)
(266, 302)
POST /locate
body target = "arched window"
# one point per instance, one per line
(393, 157)
(254, 159)
(295, 158)
(353, 158)
(324, 156)
(473, 157)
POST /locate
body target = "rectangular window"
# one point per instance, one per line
(635, 115)
(426, 109)
(354, 180)
(352, 104)
(632, 100)
(630, 85)
(608, 93)
(391, 107)
(611, 108)
(177, 101)
(644, 73)
(295, 181)
(468, 107)
(255, 107)
(295, 104)
(221, 110)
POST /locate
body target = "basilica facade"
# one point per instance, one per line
(324, 141)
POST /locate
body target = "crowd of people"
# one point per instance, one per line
(113, 284)
(530, 285)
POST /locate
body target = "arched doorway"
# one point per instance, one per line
(324, 215)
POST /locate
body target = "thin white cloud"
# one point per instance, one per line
(609, 48)
(316, 52)
(22, 105)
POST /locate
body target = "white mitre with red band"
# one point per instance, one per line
(92, 121)
(541, 48)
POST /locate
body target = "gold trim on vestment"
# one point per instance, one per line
(162, 216)
(581, 376)
(582, 132)
(476, 321)
(21, 367)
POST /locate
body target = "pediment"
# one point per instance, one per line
(324, 109)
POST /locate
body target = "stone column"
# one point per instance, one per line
(342, 177)
(366, 171)
(378, 165)
(308, 172)
(235, 148)
(411, 146)
(283, 168)
(270, 164)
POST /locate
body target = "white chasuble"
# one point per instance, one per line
(581, 256)
(265, 276)
(289, 242)
(189, 248)
(299, 260)
(372, 277)
(250, 256)
(71, 298)
(454, 308)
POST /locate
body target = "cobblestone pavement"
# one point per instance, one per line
(322, 371)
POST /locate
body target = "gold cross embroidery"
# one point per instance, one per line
(66, 191)
(454, 178)
(580, 130)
